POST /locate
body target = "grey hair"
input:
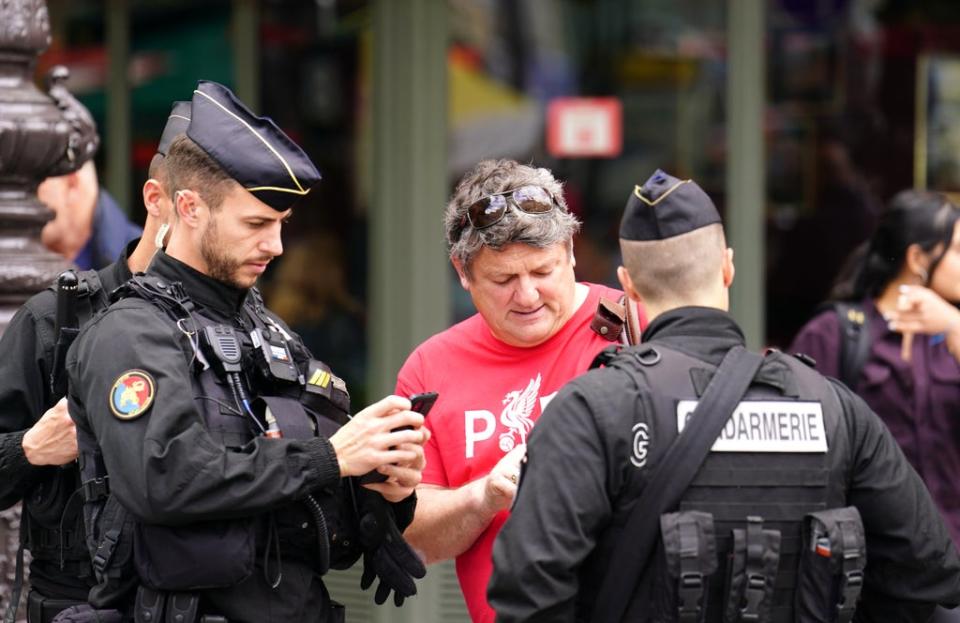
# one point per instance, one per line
(537, 230)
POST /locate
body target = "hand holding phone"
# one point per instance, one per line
(420, 403)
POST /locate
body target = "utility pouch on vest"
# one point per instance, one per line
(153, 606)
(689, 558)
(751, 572)
(149, 604)
(202, 555)
(831, 566)
(182, 607)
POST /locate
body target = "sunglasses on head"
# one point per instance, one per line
(489, 210)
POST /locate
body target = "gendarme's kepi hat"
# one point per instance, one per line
(177, 124)
(664, 207)
(251, 149)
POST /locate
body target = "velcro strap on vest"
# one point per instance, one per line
(851, 580)
(756, 578)
(691, 586)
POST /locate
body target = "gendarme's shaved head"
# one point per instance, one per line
(678, 270)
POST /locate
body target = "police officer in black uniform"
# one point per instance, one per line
(211, 446)
(36, 434)
(803, 504)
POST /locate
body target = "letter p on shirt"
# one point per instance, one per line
(473, 433)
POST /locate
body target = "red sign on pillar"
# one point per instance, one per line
(585, 127)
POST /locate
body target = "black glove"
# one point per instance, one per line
(386, 554)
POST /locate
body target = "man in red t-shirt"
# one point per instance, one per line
(511, 242)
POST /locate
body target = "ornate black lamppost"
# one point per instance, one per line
(41, 134)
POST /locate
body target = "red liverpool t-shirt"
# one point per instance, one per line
(491, 393)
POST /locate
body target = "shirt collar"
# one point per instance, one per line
(705, 333)
(202, 289)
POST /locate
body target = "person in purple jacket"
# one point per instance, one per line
(901, 290)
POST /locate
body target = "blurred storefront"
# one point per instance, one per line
(800, 118)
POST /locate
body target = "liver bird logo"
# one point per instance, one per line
(516, 415)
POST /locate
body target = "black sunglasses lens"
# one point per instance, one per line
(487, 211)
(533, 200)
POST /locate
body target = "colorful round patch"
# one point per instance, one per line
(132, 394)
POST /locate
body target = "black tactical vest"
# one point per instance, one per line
(735, 543)
(316, 402)
(52, 521)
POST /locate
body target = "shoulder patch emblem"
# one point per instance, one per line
(132, 394)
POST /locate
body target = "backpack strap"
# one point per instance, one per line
(854, 339)
(635, 320)
(671, 477)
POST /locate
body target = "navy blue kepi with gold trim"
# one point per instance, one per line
(251, 149)
(664, 207)
(177, 124)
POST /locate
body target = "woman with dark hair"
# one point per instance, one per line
(901, 292)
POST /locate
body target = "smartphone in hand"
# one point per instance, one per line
(421, 403)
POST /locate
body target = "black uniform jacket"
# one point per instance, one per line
(576, 483)
(164, 466)
(27, 348)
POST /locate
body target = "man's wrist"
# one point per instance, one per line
(16, 454)
(28, 448)
(483, 506)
